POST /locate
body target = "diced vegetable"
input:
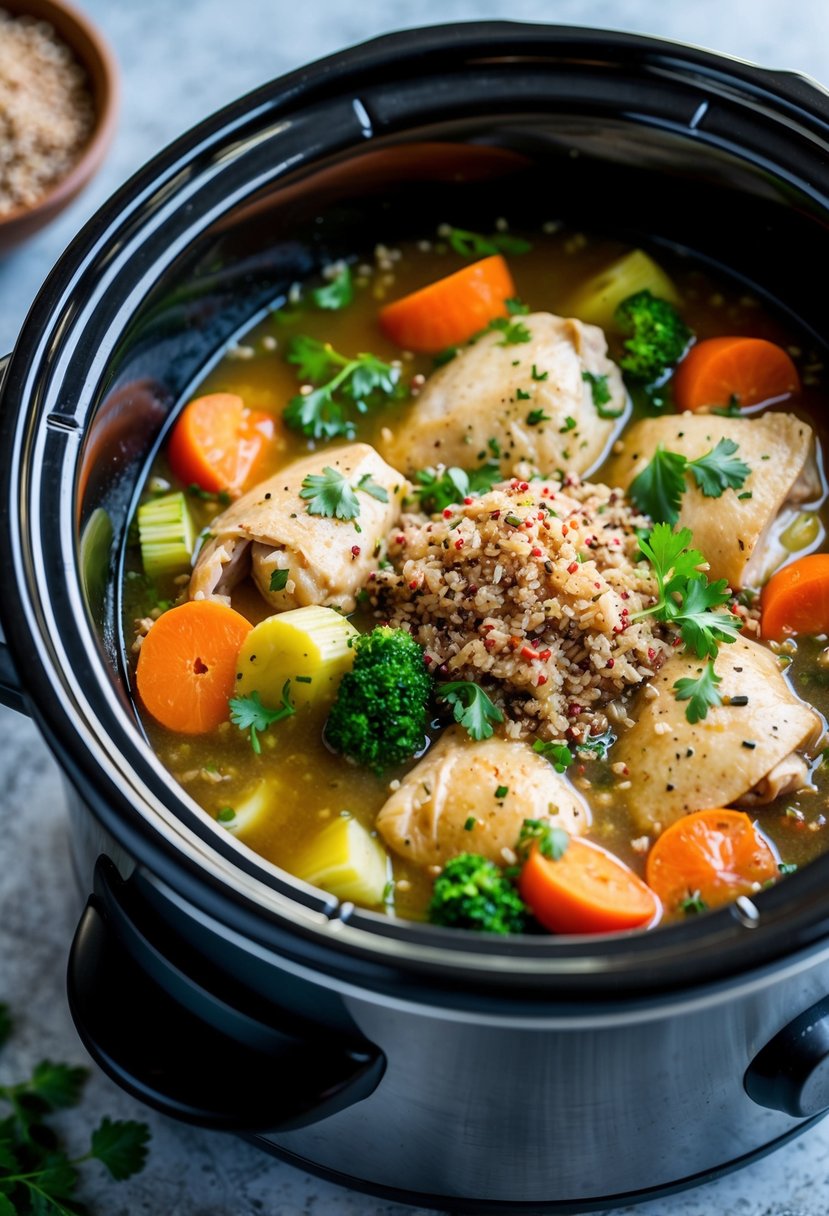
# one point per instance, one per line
(451, 310)
(187, 665)
(707, 859)
(311, 647)
(796, 599)
(585, 890)
(251, 812)
(167, 535)
(596, 300)
(802, 532)
(720, 372)
(472, 893)
(345, 860)
(217, 442)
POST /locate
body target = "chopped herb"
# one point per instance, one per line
(556, 752)
(336, 294)
(226, 814)
(502, 791)
(494, 446)
(279, 580)
(304, 679)
(248, 713)
(552, 842)
(516, 307)
(345, 386)
(369, 486)
(537, 375)
(437, 491)
(569, 425)
(701, 694)
(535, 417)
(520, 395)
(693, 904)
(512, 520)
(514, 334)
(747, 494)
(471, 707)
(470, 823)
(658, 489)
(601, 394)
(445, 356)
(330, 494)
(787, 867)
(476, 245)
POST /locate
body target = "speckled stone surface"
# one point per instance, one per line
(180, 62)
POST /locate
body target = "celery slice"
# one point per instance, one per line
(167, 534)
(309, 646)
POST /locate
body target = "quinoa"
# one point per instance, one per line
(46, 110)
(531, 590)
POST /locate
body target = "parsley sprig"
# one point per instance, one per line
(37, 1176)
(687, 600)
(471, 707)
(557, 752)
(248, 713)
(438, 489)
(601, 394)
(337, 293)
(345, 387)
(476, 245)
(332, 495)
(658, 489)
(552, 842)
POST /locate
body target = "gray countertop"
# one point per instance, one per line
(180, 62)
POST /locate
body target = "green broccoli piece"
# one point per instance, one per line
(656, 335)
(380, 714)
(472, 893)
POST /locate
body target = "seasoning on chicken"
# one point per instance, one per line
(541, 394)
(295, 555)
(467, 796)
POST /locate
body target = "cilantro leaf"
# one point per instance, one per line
(672, 559)
(552, 842)
(330, 494)
(702, 628)
(343, 385)
(336, 293)
(120, 1145)
(516, 307)
(557, 753)
(279, 580)
(471, 707)
(701, 694)
(476, 245)
(717, 470)
(369, 486)
(7, 1208)
(657, 490)
(248, 713)
(58, 1085)
(438, 490)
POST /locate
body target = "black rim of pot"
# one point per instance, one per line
(69, 688)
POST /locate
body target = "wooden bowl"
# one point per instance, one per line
(94, 55)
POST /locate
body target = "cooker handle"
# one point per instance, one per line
(11, 692)
(791, 1073)
(229, 1070)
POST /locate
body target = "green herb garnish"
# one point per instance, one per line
(556, 752)
(701, 694)
(693, 904)
(658, 489)
(471, 707)
(552, 842)
(536, 417)
(345, 387)
(601, 394)
(335, 294)
(330, 494)
(248, 713)
(437, 491)
(279, 580)
(476, 245)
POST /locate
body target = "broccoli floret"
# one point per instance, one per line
(379, 716)
(472, 893)
(656, 335)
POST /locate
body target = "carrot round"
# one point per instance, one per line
(796, 599)
(587, 890)
(451, 310)
(747, 371)
(217, 441)
(187, 665)
(713, 855)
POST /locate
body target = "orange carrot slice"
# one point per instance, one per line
(587, 890)
(748, 371)
(712, 855)
(187, 665)
(796, 599)
(217, 441)
(451, 310)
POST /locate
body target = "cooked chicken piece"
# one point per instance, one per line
(790, 775)
(736, 532)
(270, 528)
(675, 767)
(481, 402)
(458, 782)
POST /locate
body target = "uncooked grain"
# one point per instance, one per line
(46, 110)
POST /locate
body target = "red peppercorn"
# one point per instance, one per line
(427, 659)
(611, 663)
(536, 552)
(400, 540)
(447, 512)
(413, 585)
(467, 501)
(355, 550)
(523, 486)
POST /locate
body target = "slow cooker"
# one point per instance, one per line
(535, 1074)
